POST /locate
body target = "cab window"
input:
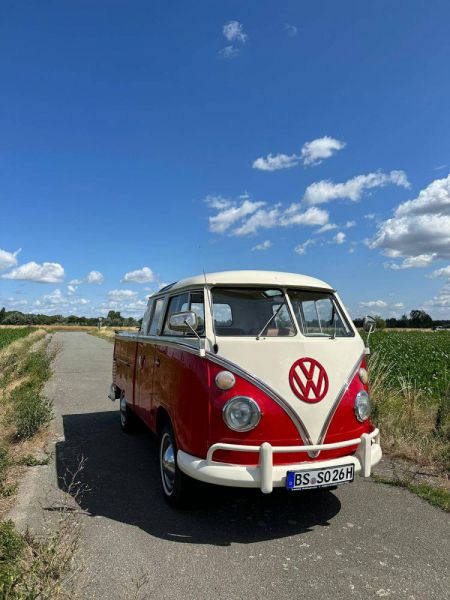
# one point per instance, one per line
(251, 312)
(146, 319)
(318, 314)
(156, 317)
(187, 301)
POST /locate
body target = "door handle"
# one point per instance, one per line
(141, 360)
(157, 362)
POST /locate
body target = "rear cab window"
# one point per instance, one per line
(192, 300)
(156, 316)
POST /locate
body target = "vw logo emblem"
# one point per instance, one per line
(308, 380)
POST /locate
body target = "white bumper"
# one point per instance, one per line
(266, 475)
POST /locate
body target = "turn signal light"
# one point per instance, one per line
(225, 380)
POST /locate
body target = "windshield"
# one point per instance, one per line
(252, 312)
(317, 314)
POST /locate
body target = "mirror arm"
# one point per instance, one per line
(201, 348)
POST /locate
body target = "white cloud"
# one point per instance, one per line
(291, 30)
(433, 200)
(412, 262)
(350, 224)
(143, 275)
(32, 271)
(234, 32)
(95, 277)
(75, 281)
(55, 297)
(8, 259)
(440, 304)
(414, 235)
(312, 153)
(250, 216)
(326, 227)
(263, 245)
(444, 272)
(71, 289)
(218, 202)
(229, 52)
(275, 162)
(261, 219)
(374, 304)
(317, 150)
(311, 216)
(227, 217)
(353, 189)
(339, 238)
(301, 248)
(121, 294)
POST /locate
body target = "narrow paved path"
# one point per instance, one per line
(365, 540)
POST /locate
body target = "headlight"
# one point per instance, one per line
(362, 406)
(241, 413)
(363, 376)
(225, 380)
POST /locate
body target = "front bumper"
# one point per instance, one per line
(266, 475)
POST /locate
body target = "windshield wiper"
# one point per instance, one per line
(275, 314)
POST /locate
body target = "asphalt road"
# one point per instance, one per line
(364, 540)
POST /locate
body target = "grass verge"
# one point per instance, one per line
(434, 496)
(32, 567)
(25, 413)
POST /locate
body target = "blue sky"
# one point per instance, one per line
(185, 136)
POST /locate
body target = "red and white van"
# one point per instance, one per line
(250, 379)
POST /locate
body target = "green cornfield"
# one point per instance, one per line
(420, 357)
(8, 335)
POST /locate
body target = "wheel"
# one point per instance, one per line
(176, 486)
(127, 418)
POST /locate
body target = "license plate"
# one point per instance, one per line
(318, 478)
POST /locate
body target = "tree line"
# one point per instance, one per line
(113, 319)
(417, 319)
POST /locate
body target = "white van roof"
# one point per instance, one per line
(252, 278)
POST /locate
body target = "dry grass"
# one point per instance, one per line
(109, 333)
(24, 411)
(42, 566)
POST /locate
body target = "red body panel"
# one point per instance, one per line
(183, 384)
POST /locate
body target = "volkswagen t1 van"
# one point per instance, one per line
(249, 379)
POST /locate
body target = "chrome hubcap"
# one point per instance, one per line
(123, 410)
(167, 459)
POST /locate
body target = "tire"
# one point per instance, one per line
(127, 418)
(176, 486)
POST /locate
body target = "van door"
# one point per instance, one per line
(145, 364)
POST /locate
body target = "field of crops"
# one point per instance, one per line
(421, 357)
(8, 335)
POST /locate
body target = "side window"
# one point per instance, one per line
(197, 305)
(146, 319)
(176, 304)
(156, 318)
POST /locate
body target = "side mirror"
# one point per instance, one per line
(185, 321)
(369, 324)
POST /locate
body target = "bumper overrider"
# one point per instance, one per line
(266, 475)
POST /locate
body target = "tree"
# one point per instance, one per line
(419, 318)
(379, 322)
(114, 318)
(2, 314)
